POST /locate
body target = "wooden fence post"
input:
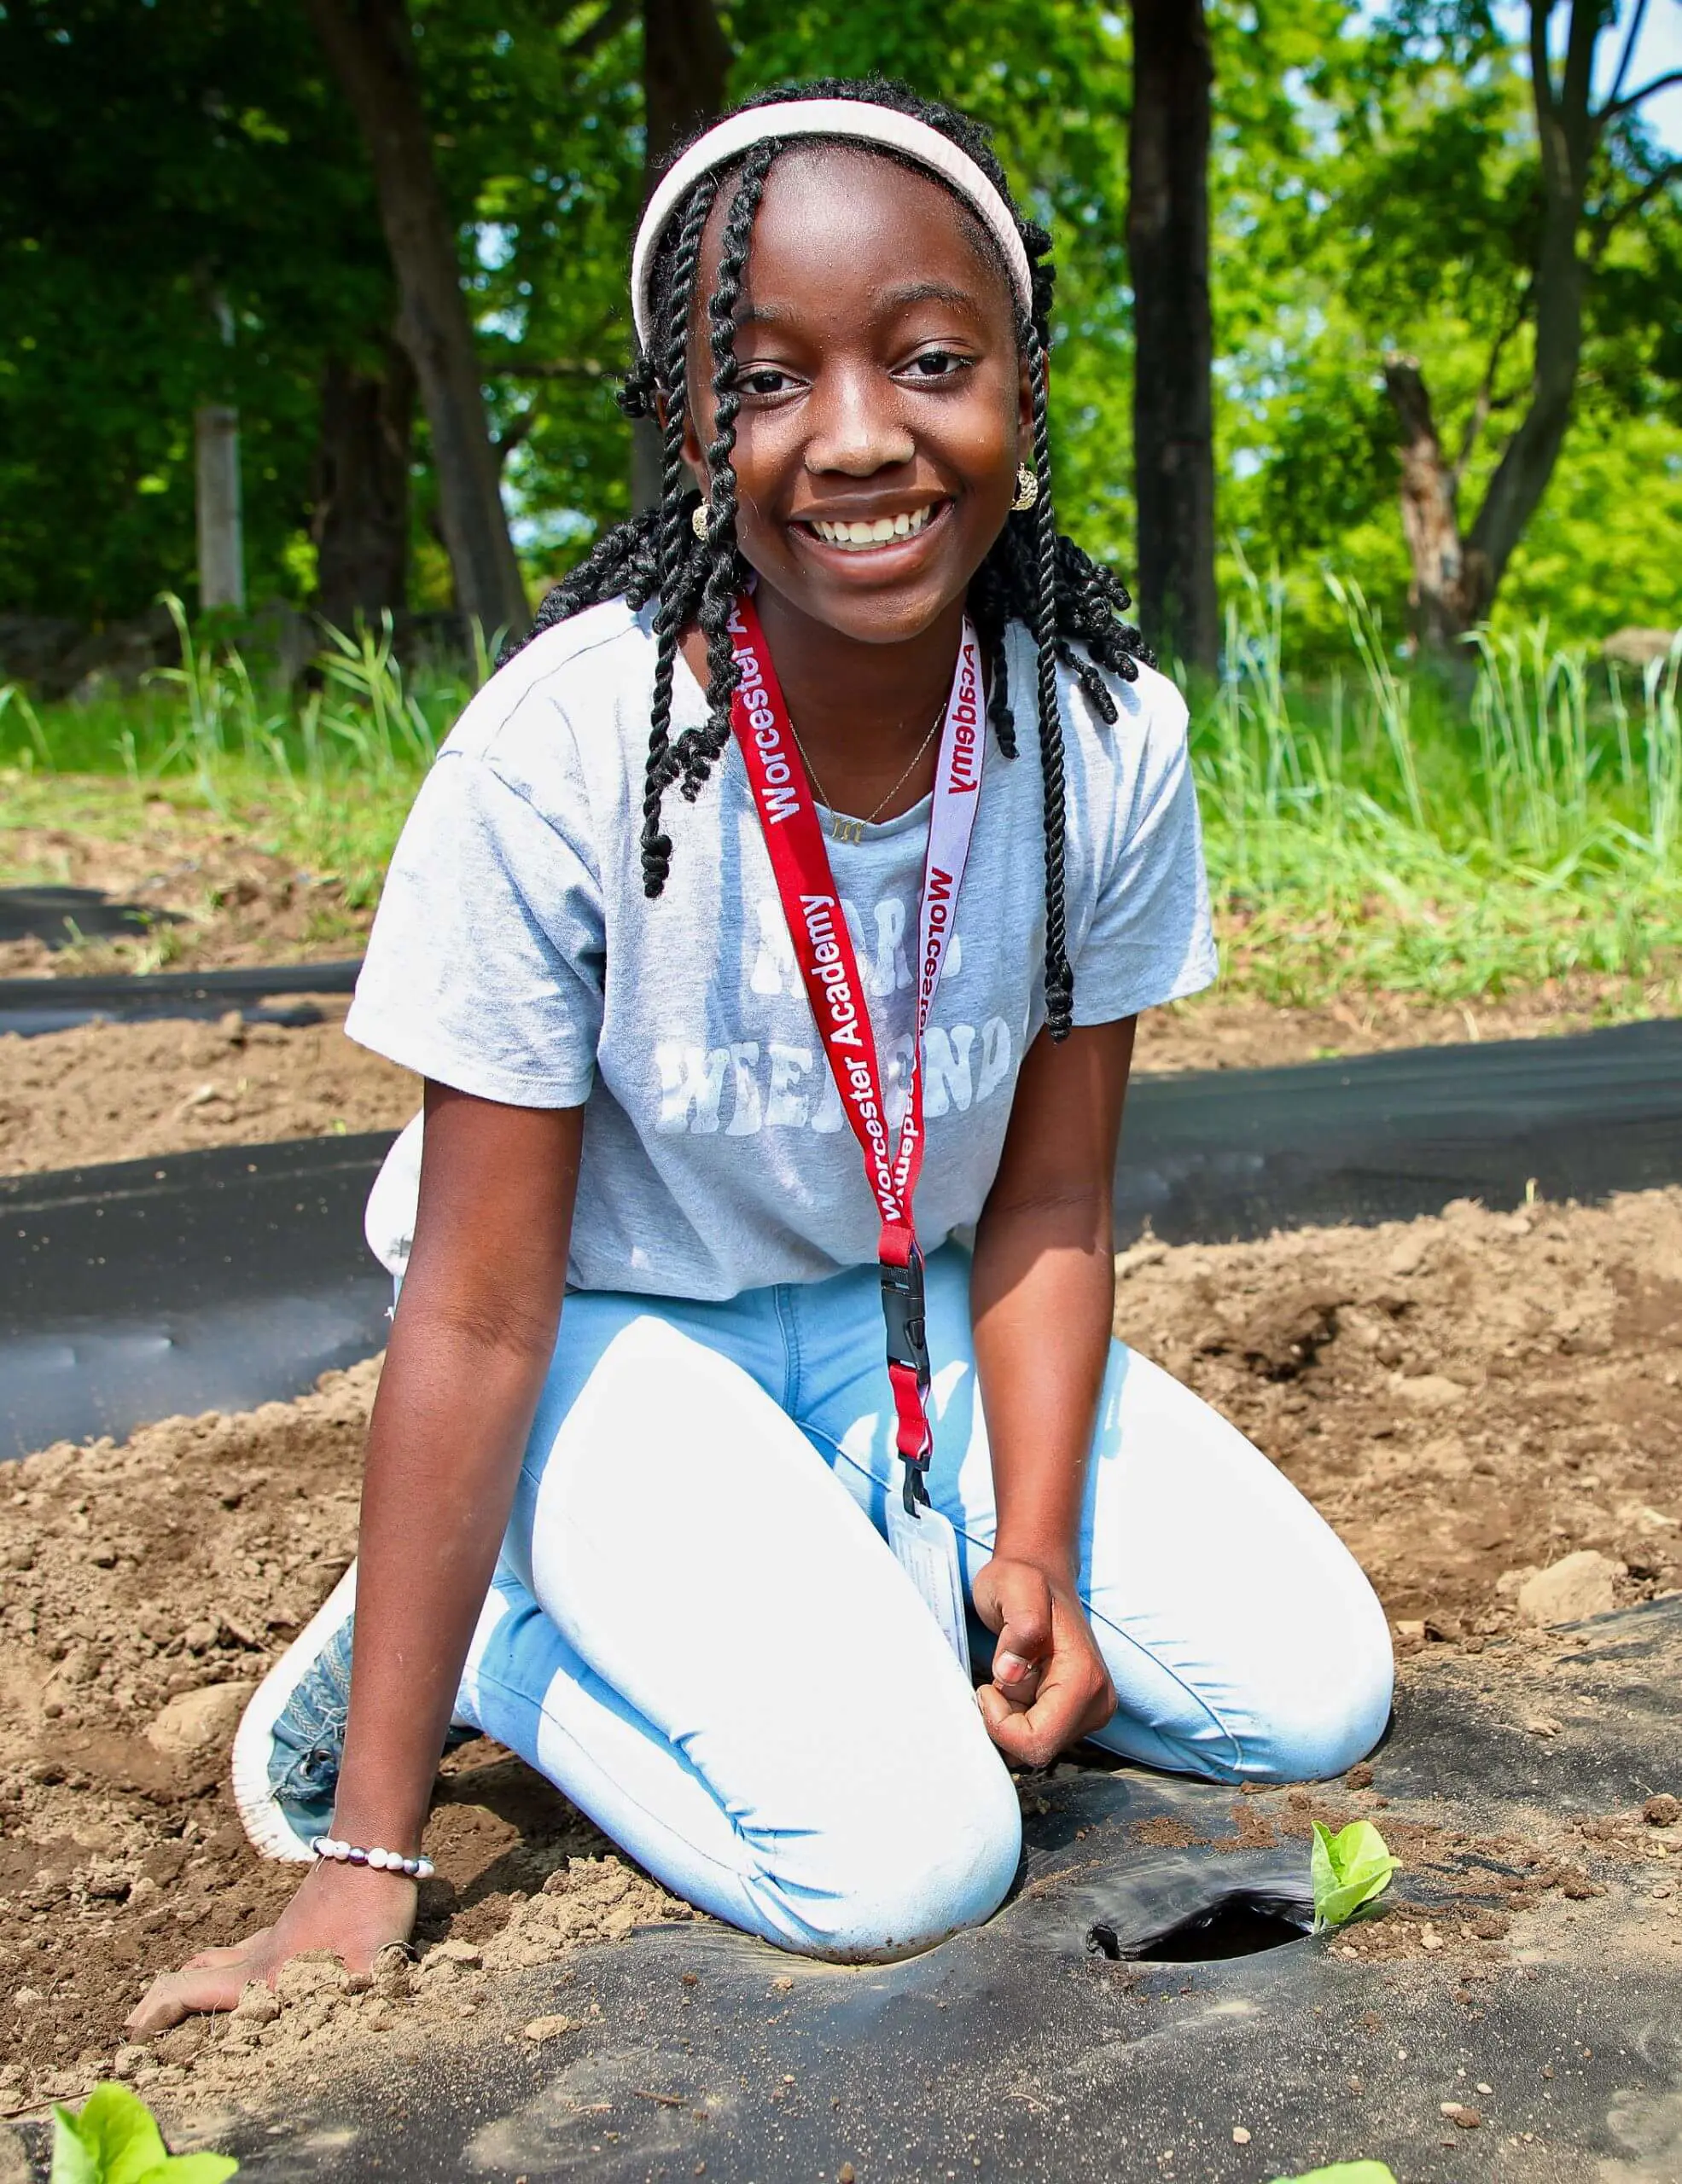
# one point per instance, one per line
(216, 432)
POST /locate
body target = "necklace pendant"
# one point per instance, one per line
(847, 830)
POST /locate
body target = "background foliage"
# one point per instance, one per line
(164, 161)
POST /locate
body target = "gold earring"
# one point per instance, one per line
(1027, 490)
(700, 519)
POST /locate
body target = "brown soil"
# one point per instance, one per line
(218, 900)
(132, 1091)
(1219, 1031)
(1464, 1397)
(114, 1092)
(117, 1856)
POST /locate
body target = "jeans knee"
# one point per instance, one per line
(940, 1864)
(1323, 1733)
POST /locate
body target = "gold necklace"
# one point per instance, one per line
(842, 826)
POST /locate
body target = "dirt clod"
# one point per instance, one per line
(1581, 1585)
(207, 1715)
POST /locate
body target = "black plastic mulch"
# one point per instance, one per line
(233, 1277)
(1025, 2051)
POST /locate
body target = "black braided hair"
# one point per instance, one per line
(1031, 573)
(673, 373)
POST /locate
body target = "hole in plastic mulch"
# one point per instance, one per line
(1238, 1925)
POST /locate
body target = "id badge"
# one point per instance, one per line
(925, 1548)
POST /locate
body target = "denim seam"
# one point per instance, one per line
(788, 1321)
(751, 1872)
(1127, 1637)
(500, 1683)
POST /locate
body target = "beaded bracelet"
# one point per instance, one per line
(390, 1862)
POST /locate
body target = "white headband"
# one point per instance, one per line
(854, 118)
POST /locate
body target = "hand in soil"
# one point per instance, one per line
(348, 1912)
(1049, 1686)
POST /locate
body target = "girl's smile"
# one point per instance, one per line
(882, 415)
(865, 535)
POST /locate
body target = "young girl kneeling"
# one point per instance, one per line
(769, 934)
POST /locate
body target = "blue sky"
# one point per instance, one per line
(1658, 50)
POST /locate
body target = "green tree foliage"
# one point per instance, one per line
(1387, 197)
(172, 171)
(1374, 187)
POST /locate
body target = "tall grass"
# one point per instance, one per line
(1381, 830)
(326, 778)
(1378, 829)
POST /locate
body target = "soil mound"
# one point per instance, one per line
(1470, 1399)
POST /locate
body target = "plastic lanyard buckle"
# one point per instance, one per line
(904, 1316)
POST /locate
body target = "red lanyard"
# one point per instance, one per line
(823, 948)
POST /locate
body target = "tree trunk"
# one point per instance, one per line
(1168, 251)
(368, 45)
(686, 61)
(1450, 587)
(1565, 130)
(360, 523)
(1456, 577)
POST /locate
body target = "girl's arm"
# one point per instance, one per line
(470, 1346)
(1043, 1293)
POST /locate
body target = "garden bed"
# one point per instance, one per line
(1468, 1399)
(112, 1091)
(213, 895)
(104, 1092)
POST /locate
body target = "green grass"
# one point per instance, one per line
(1378, 831)
(1388, 832)
(325, 781)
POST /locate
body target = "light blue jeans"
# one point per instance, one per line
(699, 1634)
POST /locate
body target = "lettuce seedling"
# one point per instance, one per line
(116, 2140)
(1349, 1869)
(1345, 2172)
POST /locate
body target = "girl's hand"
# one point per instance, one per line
(1049, 1685)
(350, 1911)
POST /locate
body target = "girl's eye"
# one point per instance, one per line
(938, 363)
(765, 379)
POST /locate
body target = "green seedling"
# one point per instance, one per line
(1345, 2172)
(116, 2141)
(1349, 1869)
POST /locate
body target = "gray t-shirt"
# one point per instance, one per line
(515, 957)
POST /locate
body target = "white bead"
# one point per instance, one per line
(341, 1851)
(379, 1860)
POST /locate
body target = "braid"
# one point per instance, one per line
(1073, 607)
(674, 527)
(1059, 979)
(700, 748)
